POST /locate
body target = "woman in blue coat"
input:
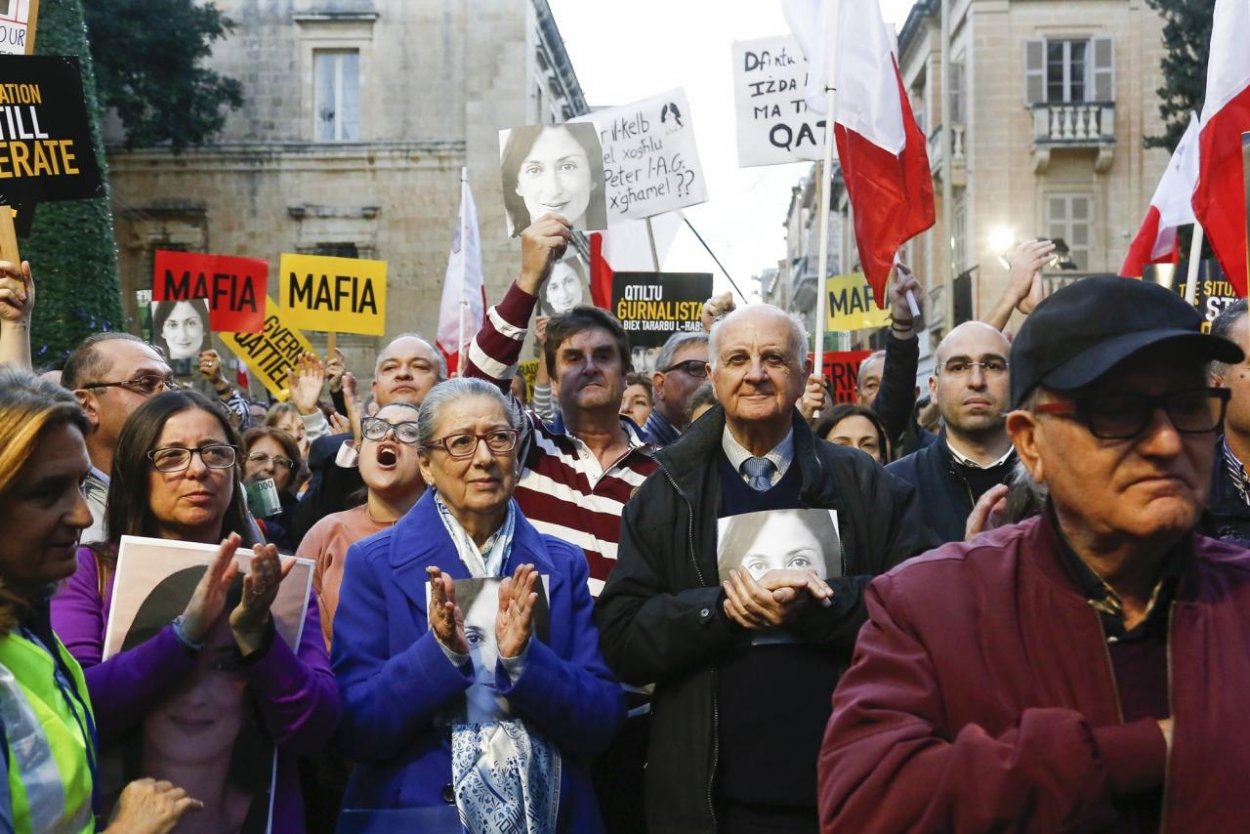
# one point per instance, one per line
(465, 649)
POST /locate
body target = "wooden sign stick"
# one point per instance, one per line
(8, 236)
(332, 342)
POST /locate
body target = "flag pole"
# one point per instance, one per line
(1195, 256)
(826, 165)
(464, 302)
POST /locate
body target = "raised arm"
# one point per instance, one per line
(496, 348)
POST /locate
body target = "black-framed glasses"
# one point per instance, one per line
(1124, 416)
(465, 445)
(147, 385)
(691, 367)
(990, 366)
(178, 458)
(375, 428)
(278, 460)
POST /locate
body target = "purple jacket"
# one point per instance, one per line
(295, 692)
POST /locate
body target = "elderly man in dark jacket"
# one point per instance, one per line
(1085, 670)
(744, 667)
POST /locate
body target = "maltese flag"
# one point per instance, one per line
(881, 148)
(1170, 208)
(1220, 199)
(464, 290)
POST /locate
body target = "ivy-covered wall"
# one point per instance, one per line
(71, 248)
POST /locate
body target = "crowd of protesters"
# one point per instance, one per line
(702, 599)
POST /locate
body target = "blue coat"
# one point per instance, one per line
(394, 678)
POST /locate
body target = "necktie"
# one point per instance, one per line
(759, 472)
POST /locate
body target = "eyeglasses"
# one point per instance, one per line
(375, 428)
(278, 460)
(465, 445)
(1123, 417)
(691, 367)
(176, 458)
(147, 385)
(993, 366)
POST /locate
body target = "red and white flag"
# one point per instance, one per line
(1170, 207)
(1219, 200)
(881, 149)
(464, 291)
(241, 378)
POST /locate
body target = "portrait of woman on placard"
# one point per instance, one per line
(181, 327)
(555, 169)
(203, 735)
(566, 288)
(779, 540)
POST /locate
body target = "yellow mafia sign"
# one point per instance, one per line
(338, 295)
(851, 306)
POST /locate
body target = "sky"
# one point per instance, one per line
(646, 47)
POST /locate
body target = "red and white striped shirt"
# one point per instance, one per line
(563, 490)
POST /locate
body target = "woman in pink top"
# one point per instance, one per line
(388, 466)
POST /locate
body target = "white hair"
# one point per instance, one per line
(798, 331)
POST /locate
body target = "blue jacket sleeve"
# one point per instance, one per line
(388, 699)
(574, 700)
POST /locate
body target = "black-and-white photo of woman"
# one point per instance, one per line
(554, 169)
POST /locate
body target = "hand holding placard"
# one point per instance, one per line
(542, 244)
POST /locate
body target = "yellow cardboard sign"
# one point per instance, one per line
(270, 355)
(851, 306)
(338, 295)
(529, 370)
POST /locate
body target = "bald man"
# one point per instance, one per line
(971, 386)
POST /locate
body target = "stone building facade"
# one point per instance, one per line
(357, 118)
(1049, 104)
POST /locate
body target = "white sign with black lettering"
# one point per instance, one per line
(774, 124)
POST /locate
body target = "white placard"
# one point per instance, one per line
(774, 124)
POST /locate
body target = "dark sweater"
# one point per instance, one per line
(947, 489)
(773, 700)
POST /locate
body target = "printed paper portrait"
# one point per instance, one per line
(554, 169)
(479, 603)
(779, 540)
(180, 328)
(206, 734)
(568, 287)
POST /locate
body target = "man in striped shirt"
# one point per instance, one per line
(574, 483)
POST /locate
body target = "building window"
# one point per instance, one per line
(1070, 217)
(958, 93)
(336, 74)
(959, 233)
(1069, 70)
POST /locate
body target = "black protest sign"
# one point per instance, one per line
(46, 151)
(652, 306)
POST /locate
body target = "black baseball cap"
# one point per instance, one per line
(1087, 328)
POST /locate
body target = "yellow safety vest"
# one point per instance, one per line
(48, 735)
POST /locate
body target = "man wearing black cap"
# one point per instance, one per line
(1085, 670)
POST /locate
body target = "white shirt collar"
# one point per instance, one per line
(781, 455)
(964, 460)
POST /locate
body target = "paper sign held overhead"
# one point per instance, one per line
(556, 169)
(652, 306)
(270, 354)
(774, 124)
(851, 306)
(234, 287)
(650, 160)
(45, 138)
(338, 295)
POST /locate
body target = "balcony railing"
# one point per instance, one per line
(1091, 123)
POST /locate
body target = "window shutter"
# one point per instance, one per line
(1035, 71)
(1102, 69)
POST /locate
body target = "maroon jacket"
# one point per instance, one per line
(982, 698)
